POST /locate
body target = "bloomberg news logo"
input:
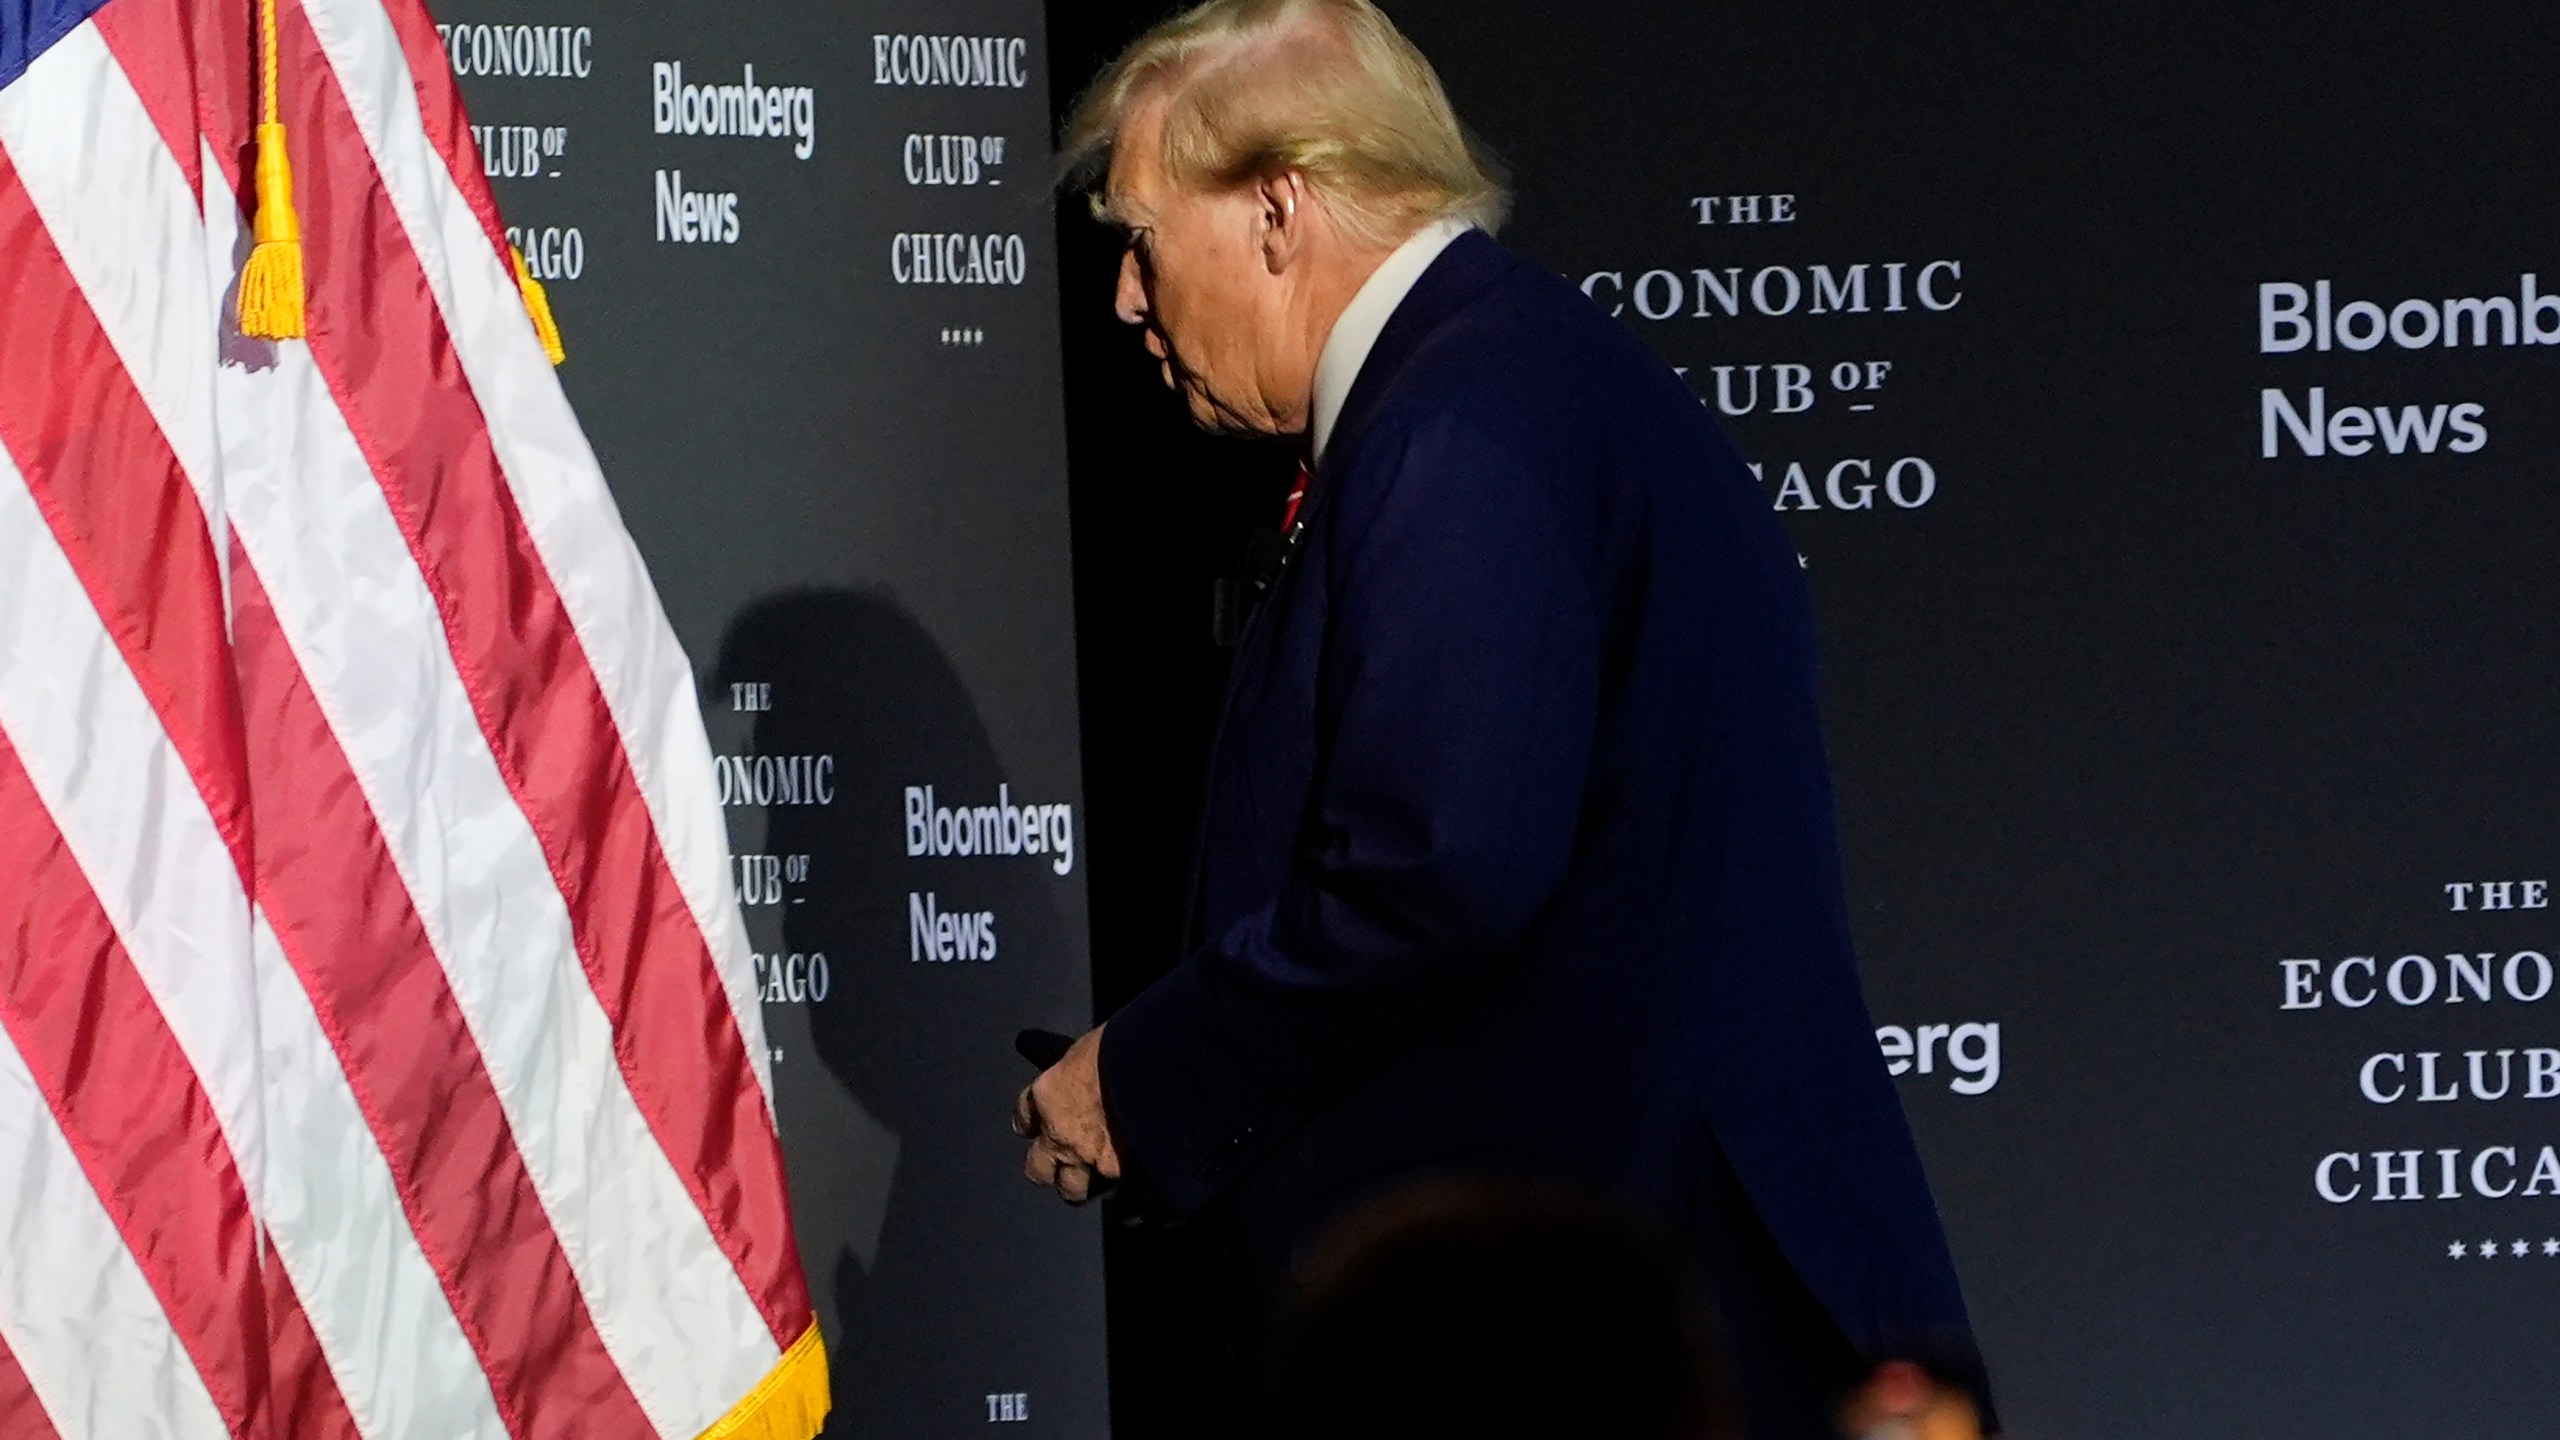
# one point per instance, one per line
(2295, 318)
(732, 109)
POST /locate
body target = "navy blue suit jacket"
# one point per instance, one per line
(1519, 852)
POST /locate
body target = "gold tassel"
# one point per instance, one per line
(271, 283)
(790, 1403)
(537, 303)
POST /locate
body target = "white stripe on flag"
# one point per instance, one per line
(367, 636)
(75, 1310)
(560, 489)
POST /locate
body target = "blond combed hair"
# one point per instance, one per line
(1328, 88)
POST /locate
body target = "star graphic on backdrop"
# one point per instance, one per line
(2488, 1249)
(2551, 1247)
(2457, 1250)
(2519, 1249)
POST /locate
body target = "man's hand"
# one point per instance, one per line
(1061, 1115)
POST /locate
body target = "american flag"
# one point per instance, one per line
(381, 1053)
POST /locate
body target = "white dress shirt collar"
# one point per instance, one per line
(1347, 347)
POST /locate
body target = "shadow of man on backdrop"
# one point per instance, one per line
(912, 1215)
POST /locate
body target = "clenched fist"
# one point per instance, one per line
(1061, 1115)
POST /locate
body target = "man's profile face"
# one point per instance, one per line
(1193, 275)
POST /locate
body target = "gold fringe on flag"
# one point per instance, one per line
(537, 303)
(790, 1403)
(271, 283)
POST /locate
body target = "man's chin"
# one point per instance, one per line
(1209, 415)
(1206, 414)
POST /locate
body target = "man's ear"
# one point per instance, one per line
(1288, 213)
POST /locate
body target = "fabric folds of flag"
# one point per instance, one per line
(379, 1054)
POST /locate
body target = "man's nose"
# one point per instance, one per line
(1129, 300)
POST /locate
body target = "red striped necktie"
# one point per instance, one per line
(1297, 497)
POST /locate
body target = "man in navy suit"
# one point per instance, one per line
(1519, 856)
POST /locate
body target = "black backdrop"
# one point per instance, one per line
(2152, 729)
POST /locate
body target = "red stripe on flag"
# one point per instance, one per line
(168, 90)
(382, 345)
(22, 1416)
(112, 493)
(128, 1103)
(212, 36)
(346, 922)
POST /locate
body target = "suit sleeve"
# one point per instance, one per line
(1456, 701)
